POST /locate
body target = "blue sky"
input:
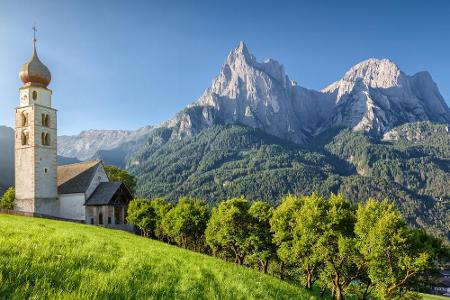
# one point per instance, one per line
(127, 64)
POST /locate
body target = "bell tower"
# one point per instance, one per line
(35, 141)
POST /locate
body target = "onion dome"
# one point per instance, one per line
(34, 72)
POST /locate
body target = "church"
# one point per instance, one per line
(79, 192)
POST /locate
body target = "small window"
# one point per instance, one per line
(34, 95)
(45, 137)
(100, 218)
(45, 120)
(109, 220)
(45, 170)
(24, 138)
(24, 119)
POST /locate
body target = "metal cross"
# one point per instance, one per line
(34, 34)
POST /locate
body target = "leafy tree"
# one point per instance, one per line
(261, 245)
(142, 214)
(308, 232)
(161, 208)
(282, 225)
(117, 174)
(228, 228)
(394, 254)
(186, 223)
(336, 246)
(7, 200)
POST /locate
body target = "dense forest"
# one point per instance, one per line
(410, 168)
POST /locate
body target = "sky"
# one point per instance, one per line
(128, 64)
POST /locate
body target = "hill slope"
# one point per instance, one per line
(227, 161)
(52, 259)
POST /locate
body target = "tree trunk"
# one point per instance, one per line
(338, 288)
(309, 278)
(266, 266)
(239, 260)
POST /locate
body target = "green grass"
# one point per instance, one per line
(433, 297)
(42, 258)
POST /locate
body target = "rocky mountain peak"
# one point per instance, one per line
(375, 73)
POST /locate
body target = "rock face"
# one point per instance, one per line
(86, 145)
(374, 96)
(259, 95)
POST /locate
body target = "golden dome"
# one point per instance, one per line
(34, 72)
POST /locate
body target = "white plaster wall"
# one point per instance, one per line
(44, 96)
(100, 176)
(71, 206)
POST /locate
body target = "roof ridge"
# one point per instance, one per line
(96, 161)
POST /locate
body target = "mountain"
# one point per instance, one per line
(7, 156)
(373, 96)
(226, 161)
(88, 143)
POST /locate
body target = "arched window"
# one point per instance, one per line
(24, 119)
(24, 138)
(45, 120)
(45, 139)
(34, 95)
(100, 218)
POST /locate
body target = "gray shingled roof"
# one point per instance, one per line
(76, 178)
(104, 193)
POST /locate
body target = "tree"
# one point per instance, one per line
(310, 225)
(117, 174)
(142, 214)
(261, 245)
(336, 246)
(161, 208)
(186, 223)
(394, 253)
(228, 228)
(7, 200)
(282, 226)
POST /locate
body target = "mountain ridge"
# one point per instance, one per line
(373, 96)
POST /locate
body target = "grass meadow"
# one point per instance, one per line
(47, 259)
(42, 258)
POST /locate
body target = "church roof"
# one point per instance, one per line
(76, 178)
(109, 193)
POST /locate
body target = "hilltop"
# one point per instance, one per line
(43, 258)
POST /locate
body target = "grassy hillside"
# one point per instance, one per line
(51, 259)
